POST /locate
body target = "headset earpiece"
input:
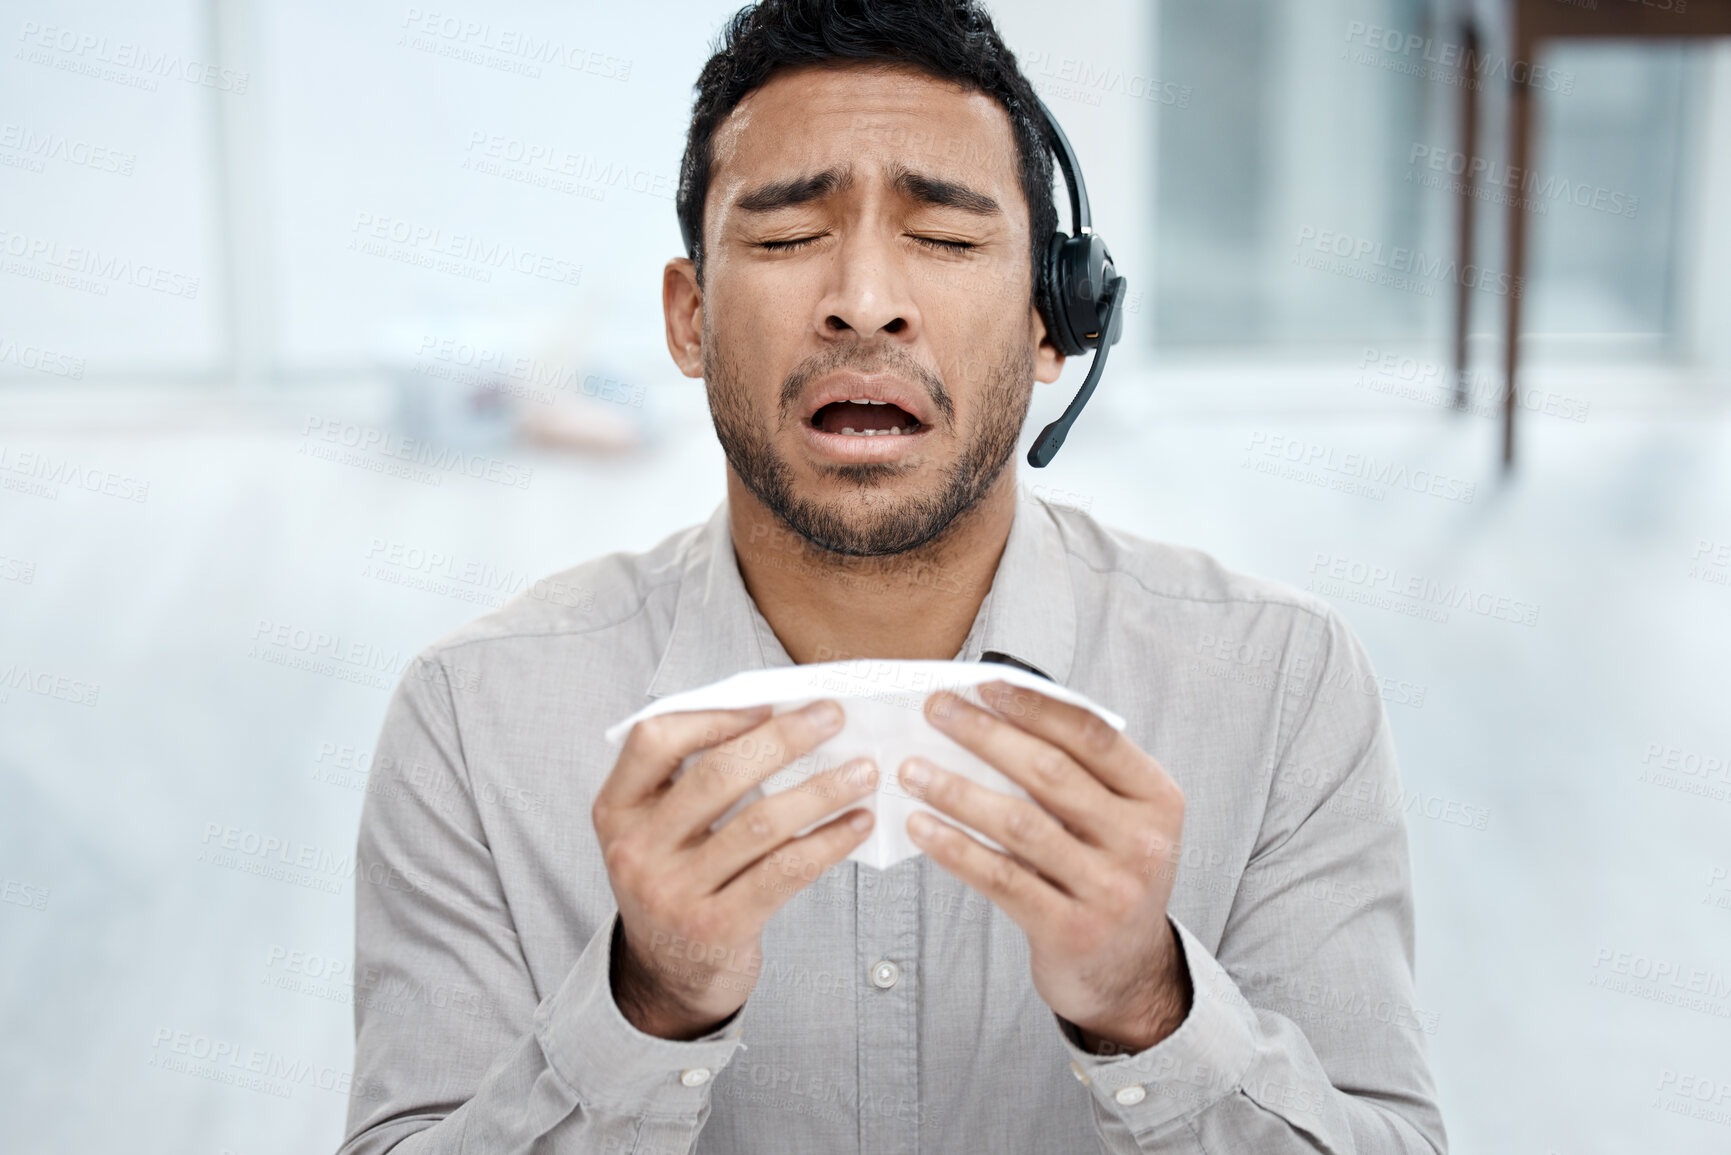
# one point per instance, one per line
(1078, 271)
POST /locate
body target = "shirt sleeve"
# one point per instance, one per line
(454, 1052)
(1304, 1034)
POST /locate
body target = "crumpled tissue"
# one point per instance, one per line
(884, 703)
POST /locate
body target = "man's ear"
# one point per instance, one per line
(682, 307)
(1048, 360)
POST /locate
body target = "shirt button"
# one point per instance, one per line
(1131, 1095)
(697, 1076)
(885, 974)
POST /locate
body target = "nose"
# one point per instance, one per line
(868, 292)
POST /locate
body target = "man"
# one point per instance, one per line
(1199, 936)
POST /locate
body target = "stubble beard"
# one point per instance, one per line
(868, 528)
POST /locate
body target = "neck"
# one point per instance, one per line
(830, 607)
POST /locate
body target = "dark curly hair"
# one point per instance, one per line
(952, 40)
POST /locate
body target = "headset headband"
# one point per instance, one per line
(1081, 219)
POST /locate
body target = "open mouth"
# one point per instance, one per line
(865, 418)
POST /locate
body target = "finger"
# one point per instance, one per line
(1049, 775)
(785, 871)
(1031, 902)
(1019, 826)
(767, 823)
(1107, 752)
(717, 779)
(656, 746)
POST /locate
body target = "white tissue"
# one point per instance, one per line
(884, 703)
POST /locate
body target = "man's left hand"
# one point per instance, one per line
(1091, 859)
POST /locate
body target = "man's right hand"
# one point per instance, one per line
(693, 903)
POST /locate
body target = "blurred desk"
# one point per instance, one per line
(1531, 24)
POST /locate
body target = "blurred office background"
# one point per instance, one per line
(250, 250)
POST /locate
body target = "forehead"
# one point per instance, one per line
(871, 117)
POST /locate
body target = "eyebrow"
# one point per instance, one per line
(929, 190)
(800, 190)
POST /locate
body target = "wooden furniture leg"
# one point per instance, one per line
(1469, 135)
(1520, 137)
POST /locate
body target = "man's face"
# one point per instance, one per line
(868, 338)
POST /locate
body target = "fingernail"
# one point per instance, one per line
(916, 774)
(862, 775)
(861, 822)
(823, 716)
(920, 826)
(943, 706)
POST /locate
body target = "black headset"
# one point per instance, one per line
(1080, 292)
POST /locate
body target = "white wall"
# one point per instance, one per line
(1708, 277)
(106, 183)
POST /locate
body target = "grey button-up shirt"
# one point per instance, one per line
(894, 1011)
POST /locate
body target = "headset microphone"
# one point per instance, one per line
(1080, 294)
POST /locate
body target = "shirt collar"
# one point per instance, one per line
(1028, 616)
(717, 629)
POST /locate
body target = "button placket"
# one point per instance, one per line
(889, 1069)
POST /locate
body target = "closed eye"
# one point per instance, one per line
(784, 246)
(945, 245)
